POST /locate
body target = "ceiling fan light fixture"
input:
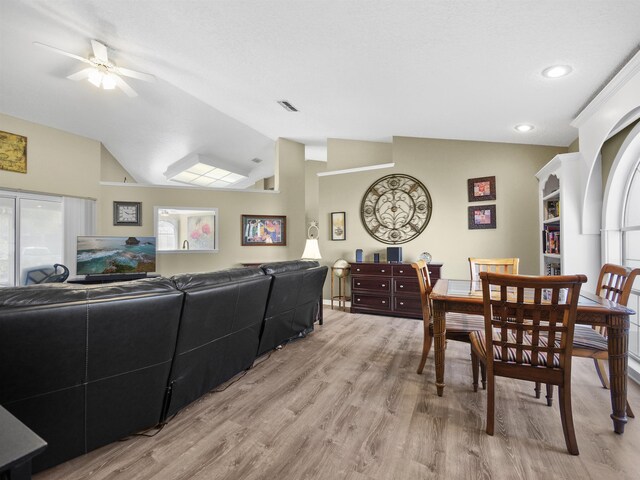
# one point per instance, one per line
(95, 77)
(109, 81)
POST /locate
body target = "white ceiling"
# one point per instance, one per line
(355, 69)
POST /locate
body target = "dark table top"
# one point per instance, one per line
(18, 443)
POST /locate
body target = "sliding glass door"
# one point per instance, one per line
(31, 235)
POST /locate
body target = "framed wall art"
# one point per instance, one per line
(482, 216)
(338, 226)
(481, 189)
(127, 213)
(264, 230)
(13, 152)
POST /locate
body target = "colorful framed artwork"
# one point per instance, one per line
(201, 232)
(481, 189)
(338, 226)
(127, 213)
(482, 217)
(264, 230)
(13, 152)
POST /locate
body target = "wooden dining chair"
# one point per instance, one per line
(458, 325)
(528, 335)
(495, 265)
(614, 283)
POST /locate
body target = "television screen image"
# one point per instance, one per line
(109, 255)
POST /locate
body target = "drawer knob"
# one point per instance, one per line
(401, 286)
(382, 271)
(358, 284)
(383, 285)
(384, 301)
(401, 271)
(357, 269)
(401, 303)
(357, 299)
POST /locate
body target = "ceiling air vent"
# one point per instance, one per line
(256, 160)
(287, 106)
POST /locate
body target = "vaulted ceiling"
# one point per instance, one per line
(365, 70)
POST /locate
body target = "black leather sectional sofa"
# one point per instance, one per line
(83, 366)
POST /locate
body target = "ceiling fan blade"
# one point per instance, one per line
(99, 50)
(124, 86)
(147, 77)
(62, 52)
(81, 75)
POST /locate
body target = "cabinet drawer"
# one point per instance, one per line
(405, 285)
(371, 301)
(371, 283)
(370, 269)
(434, 272)
(403, 271)
(407, 304)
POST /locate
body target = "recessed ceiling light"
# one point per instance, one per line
(524, 127)
(557, 71)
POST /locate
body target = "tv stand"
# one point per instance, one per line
(97, 278)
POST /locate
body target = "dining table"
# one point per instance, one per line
(465, 296)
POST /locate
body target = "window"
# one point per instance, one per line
(180, 229)
(631, 254)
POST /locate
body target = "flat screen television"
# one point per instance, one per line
(116, 255)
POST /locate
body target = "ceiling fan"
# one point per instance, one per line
(102, 72)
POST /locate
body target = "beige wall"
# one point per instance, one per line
(444, 167)
(111, 170)
(342, 154)
(67, 164)
(57, 162)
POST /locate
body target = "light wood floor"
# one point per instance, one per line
(346, 403)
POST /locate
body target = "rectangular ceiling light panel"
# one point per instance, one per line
(205, 175)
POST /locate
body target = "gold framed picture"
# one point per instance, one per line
(13, 152)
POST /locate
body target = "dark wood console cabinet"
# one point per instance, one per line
(388, 288)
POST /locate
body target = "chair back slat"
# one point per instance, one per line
(424, 282)
(494, 265)
(615, 282)
(530, 320)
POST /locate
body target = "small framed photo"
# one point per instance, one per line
(482, 216)
(127, 213)
(481, 189)
(338, 226)
(264, 230)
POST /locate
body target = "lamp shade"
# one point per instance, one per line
(311, 250)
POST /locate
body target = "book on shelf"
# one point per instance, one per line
(553, 268)
(551, 209)
(551, 239)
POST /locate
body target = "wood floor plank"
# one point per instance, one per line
(346, 403)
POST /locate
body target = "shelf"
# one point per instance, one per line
(552, 195)
(552, 220)
(552, 255)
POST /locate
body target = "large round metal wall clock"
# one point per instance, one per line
(396, 209)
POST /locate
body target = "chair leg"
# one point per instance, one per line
(549, 394)
(537, 389)
(566, 415)
(491, 404)
(483, 372)
(426, 347)
(629, 411)
(601, 370)
(474, 369)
